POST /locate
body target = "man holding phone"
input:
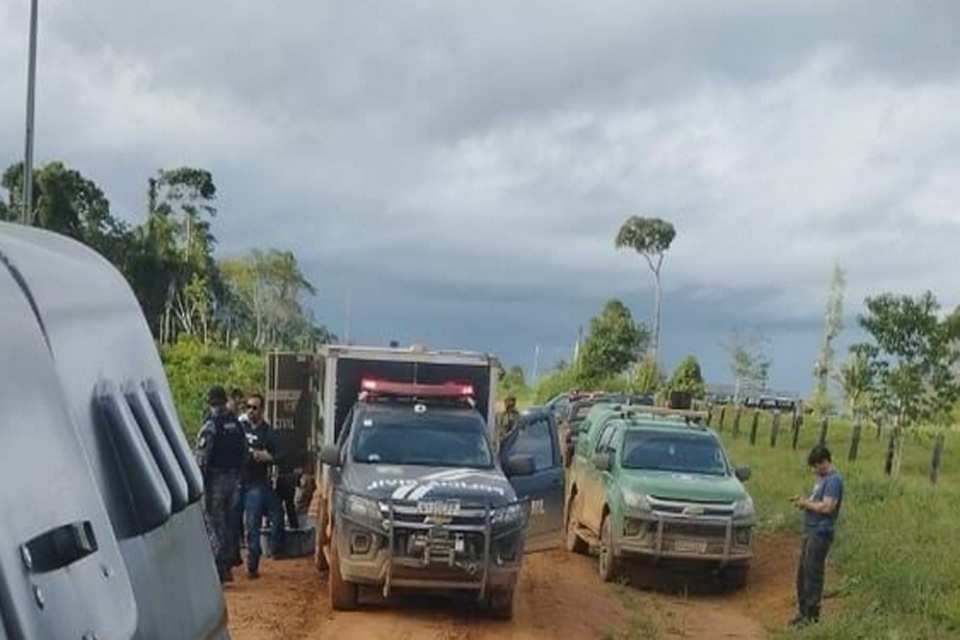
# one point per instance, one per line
(821, 510)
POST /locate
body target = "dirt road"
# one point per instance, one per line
(559, 596)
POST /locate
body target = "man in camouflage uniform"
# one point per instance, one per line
(221, 453)
(508, 418)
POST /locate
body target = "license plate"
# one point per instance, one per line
(690, 546)
(439, 508)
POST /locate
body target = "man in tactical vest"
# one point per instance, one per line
(221, 453)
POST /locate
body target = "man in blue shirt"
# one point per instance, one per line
(820, 511)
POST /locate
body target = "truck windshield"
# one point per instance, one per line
(673, 452)
(441, 441)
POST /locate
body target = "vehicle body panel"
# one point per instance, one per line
(535, 434)
(112, 387)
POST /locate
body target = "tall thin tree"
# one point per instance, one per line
(832, 326)
(651, 238)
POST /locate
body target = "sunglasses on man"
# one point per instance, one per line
(253, 407)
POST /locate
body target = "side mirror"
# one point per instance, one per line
(742, 473)
(603, 461)
(330, 455)
(520, 465)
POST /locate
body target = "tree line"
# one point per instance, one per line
(906, 371)
(255, 301)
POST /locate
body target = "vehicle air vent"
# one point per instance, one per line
(178, 443)
(159, 446)
(148, 497)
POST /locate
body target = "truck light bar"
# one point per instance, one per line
(414, 389)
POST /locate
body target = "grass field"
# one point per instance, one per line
(896, 550)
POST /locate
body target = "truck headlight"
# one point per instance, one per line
(507, 514)
(363, 509)
(744, 509)
(637, 502)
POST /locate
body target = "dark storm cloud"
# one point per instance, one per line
(458, 170)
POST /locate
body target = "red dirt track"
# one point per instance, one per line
(559, 596)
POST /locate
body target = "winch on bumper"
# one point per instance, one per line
(430, 544)
(686, 531)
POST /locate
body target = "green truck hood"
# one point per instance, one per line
(683, 486)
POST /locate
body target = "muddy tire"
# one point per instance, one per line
(320, 535)
(500, 604)
(734, 578)
(573, 542)
(607, 559)
(343, 594)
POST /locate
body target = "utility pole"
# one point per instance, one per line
(346, 320)
(536, 363)
(31, 90)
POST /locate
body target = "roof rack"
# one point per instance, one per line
(688, 415)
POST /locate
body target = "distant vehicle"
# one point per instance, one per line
(414, 492)
(561, 404)
(102, 535)
(656, 484)
(576, 413)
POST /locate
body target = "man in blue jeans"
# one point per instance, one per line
(820, 510)
(256, 497)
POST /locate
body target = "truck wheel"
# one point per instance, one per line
(607, 560)
(500, 604)
(320, 535)
(734, 577)
(574, 543)
(343, 594)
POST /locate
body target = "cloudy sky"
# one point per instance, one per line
(454, 173)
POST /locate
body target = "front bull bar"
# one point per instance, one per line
(483, 513)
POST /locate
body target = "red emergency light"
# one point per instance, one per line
(416, 390)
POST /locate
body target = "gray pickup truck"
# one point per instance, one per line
(102, 534)
(418, 498)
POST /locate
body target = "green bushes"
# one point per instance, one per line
(192, 368)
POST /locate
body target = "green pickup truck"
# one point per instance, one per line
(656, 484)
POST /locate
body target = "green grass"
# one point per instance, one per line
(192, 368)
(895, 551)
(640, 625)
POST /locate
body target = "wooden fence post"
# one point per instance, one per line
(775, 429)
(736, 421)
(855, 442)
(753, 426)
(888, 463)
(824, 425)
(723, 414)
(879, 429)
(709, 416)
(797, 420)
(937, 457)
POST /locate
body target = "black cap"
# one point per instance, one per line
(216, 396)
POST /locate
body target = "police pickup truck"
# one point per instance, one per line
(416, 494)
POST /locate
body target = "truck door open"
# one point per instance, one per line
(535, 435)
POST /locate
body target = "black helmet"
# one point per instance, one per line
(216, 396)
